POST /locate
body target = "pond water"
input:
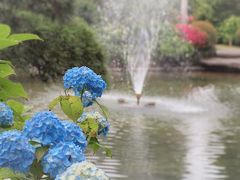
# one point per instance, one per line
(192, 132)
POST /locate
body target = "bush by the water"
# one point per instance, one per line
(210, 30)
(228, 30)
(238, 36)
(88, 10)
(193, 35)
(65, 45)
(172, 49)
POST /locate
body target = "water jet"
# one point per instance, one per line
(138, 98)
(136, 25)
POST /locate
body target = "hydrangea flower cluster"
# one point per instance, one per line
(74, 134)
(83, 171)
(64, 140)
(103, 124)
(81, 79)
(6, 115)
(87, 99)
(15, 151)
(45, 128)
(60, 157)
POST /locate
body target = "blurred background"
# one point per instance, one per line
(186, 51)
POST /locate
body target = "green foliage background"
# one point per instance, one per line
(64, 25)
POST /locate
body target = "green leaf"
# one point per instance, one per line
(34, 143)
(95, 145)
(54, 103)
(36, 170)
(103, 109)
(6, 62)
(9, 89)
(8, 173)
(90, 127)
(24, 37)
(6, 70)
(108, 152)
(17, 107)
(40, 152)
(71, 106)
(5, 30)
(4, 43)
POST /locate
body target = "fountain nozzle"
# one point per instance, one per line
(138, 98)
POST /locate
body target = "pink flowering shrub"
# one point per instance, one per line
(193, 35)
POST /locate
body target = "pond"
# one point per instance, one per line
(192, 132)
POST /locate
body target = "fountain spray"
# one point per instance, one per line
(138, 98)
(136, 23)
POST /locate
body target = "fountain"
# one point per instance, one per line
(137, 23)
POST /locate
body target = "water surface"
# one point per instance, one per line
(192, 133)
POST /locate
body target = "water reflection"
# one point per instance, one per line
(192, 134)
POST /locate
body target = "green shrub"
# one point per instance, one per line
(209, 29)
(229, 28)
(172, 50)
(88, 10)
(63, 47)
(238, 36)
(56, 10)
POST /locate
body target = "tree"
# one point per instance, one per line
(57, 10)
(215, 10)
(229, 28)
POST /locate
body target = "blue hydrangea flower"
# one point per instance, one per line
(103, 124)
(84, 79)
(60, 157)
(87, 99)
(83, 171)
(45, 128)
(74, 134)
(15, 151)
(6, 115)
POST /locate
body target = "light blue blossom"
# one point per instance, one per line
(45, 128)
(6, 115)
(103, 124)
(15, 151)
(81, 79)
(87, 99)
(74, 134)
(83, 171)
(60, 157)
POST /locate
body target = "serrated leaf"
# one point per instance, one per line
(5, 30)
(36, 170)
(90, 127)
(34, 143)
(71, 106)
(54, 103)
(6, 62)
(40, 152)
(4, 43)
(6, 70)
(94, 145)
(103, 109)
(9, 89)
(108, 152)
(6, 173)
(16, 106)
(24, 37)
